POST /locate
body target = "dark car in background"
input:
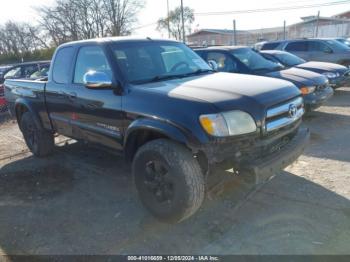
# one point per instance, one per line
(30, 70)
(3, 69)
(337, 75)
(23, 70)
(41, 73)
(343, 41)
(322, 50)
(244, 60)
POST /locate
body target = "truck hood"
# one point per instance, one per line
(322, 66)
(228, 91)
(299, 77)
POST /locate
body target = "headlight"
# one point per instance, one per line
(230, 123)
(307, 90)
(331, 75)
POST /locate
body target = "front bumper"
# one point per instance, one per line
(318, 98)
(264, 158)
(262, 169)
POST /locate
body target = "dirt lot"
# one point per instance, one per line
(82, 201)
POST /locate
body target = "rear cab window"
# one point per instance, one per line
(61, 67)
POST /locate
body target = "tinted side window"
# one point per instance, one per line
(297, 46)
(29, 70)
(90, 58)
(225, 63)
(269, 46)
(318, 46)
(15, 72)
(61, 68)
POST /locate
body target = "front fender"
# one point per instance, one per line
(165, 128)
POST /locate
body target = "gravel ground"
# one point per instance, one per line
(82, 201)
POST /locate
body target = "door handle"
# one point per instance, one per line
(72, 95)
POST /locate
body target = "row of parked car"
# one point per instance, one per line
(174, 118)
(29, 70)
(316, 80)
(332, 50)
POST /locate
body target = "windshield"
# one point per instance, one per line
(288, 59)
(344, 41)
(143, 62)
(253, 60)
(337, 45)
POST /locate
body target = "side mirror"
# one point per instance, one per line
(328, 51)
(213, 65)
(96, 80)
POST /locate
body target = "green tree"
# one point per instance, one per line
(175, 22)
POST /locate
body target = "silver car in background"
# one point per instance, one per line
(322, 50)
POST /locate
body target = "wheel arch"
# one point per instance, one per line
(22, 106)
(143, 130)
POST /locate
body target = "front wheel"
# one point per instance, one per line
(169, 180)
(39, 141)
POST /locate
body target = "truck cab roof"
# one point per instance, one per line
(106, 40)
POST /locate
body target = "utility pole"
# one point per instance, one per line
(234, 33)
(183, 22)
(284, 30)
(317, 24)
(168, 18)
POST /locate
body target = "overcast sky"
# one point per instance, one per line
(22, 10)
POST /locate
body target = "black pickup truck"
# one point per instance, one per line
(162, 106)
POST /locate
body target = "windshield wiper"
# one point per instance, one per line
(155, 79)
(167, 77)
(201, 71)
(197, 72)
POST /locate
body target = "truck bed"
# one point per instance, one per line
(23, 88)
(31, 90)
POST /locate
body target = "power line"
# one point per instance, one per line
(297, 1)
(272, 9)
(143, 26)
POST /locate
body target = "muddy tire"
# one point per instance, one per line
(169, 180)
(39, 141)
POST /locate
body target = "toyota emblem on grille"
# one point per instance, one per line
(293, 110)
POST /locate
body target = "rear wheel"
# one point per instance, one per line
(169, 180)
(39, 141)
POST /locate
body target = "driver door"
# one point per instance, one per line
(97, 115)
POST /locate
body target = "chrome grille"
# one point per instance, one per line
(284, 115)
